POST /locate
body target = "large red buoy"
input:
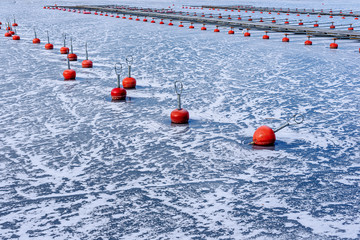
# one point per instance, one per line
(64, 49)
(181, 25)
(69, 74)
(129, 82)
(86, 63)
(14, 24)
(7, 34)
(286, 39)
(191, 26)
(118, 93)
(247, 34)
(334, 45)
(48, 46)
(308, 42)
(216, 29)
(231, 31)
(264, 136)
(35, 40)
(72, 56)
(266, 36)
(203, 28)
(179, 115)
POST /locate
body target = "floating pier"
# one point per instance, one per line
(243, 24)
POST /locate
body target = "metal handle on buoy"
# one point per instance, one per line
(64, 37)
(118, 70)
(68, 63)
(86, 51)
(296, 119)
(71, 45)
(35, 33)
(47, 33)
(178, 90)
(129, 60)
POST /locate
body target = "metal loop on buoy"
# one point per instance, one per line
(129, 60)
(296, 119)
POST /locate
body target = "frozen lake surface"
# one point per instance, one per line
(74, 165)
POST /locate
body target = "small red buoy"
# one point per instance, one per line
(86, 63)
(129, 82)
(229, 17)
(48, 46)
(191, 26)
(231, 31)
(286, 39)
(64, 49)
(123, 17)
(137, 18)
(334, 45)
(161, 21)
(118, 93)
(72, 56)
(332, 26)
(250, 19)
(316, 24)
(273, 21)
(331, 16)
(179, 115)
(203, 28)
(216, 29)
(261, 20)
(266, 36)
(16, 37)
(181, 25)
(239, 18)
(36, 40)
(69, 74)
(219, 15)
(308, 42)
(247, 34)
(130, 18)
(152, 21)
(264, 136)
(301, 23)
(351, 28)
(170, 23)
(286, 22)
(145, 20)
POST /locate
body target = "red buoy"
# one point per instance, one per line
(266, 36)
(191, 26)
(129, 82)
(273, 21)
(308, 42)
(152, 21)
(117, 16)
(137, 18)
(351, 28)
(286, 39)
(123, 17)
(130, 18)
(48, 46)
(16, 37)
(264, 136)
(316, 24)
(181, 25)
(286, 22)
(72, 56)
(118, 93)
(261, 20)
(301, 23)
(179, 115)
(247, 34)
(170, 23)
(86, 63)
(7, 34)
(145, 20)
(69, 74)
(64, 49)
(216, 29)
(203, 28)
(332, 26)
(161, 21)
(36, 40)
(231, 31)
(334, 45)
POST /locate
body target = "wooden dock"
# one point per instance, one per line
(242, 24)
